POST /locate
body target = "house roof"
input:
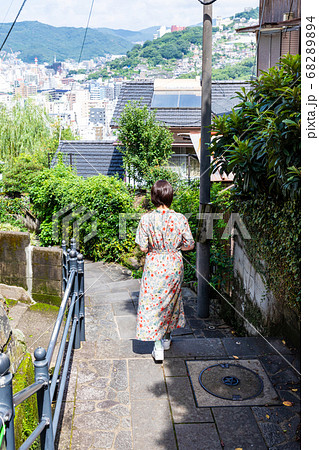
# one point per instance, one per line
(222, 102)
(271, 25)
(91, 158)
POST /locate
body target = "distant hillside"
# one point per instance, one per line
(132, 36)
(35, 39)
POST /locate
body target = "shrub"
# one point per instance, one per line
(103, 199)
(18, 177)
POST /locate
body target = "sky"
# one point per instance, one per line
(127, 14)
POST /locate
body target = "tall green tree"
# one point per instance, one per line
(260, 141)
(23, 129)
(145, 142)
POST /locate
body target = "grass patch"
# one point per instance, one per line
(44, 307)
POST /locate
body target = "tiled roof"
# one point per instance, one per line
(91, 158)
(133, 90)
(222, 102)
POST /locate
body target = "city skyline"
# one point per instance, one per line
(75, 13)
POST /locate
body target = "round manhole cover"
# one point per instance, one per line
(231, 382)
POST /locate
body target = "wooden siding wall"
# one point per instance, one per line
(272, 45)
(275, 10)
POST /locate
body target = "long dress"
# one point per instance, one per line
(160, 309)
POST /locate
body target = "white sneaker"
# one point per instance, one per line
(158, 353)
(166, 343)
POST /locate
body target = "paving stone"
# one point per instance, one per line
(111, 297)
(272, 433)
(237, 428)
(197, 436)
(182, 331)
(120, 410)
(195, 347)
(103, 439)
(146, 379)
(84, 407)
(125, 308)
(103, 367)
(286, 378)
(126, 422)
(275, 363)
(81, 440)
(123, 441)
(107, 404)
(88, 393)
(182, 402)
(174, 367)
(277, 414)
(254, 346)
(123, 397)
(119, 380)
(65, 425)
(152, 425)
(96, 420)
(126, 326)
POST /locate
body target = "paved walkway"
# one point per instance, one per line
(118, 398)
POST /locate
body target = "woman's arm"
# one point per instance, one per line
(186, 248)
(144, 250)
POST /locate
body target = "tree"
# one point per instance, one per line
(145, 142)
(22, 129)
(260, 141)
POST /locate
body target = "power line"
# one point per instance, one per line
(13, 24)
(86, 29)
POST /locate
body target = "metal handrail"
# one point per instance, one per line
(44, 387)
(23, 395)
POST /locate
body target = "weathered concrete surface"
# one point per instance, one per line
(37, 270)
(119, 399)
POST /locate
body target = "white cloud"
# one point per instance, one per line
(128, 14)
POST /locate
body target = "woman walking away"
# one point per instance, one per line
(162, 234)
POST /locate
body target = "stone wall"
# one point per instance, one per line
(259, 306)
(38, 270)
(13, 258)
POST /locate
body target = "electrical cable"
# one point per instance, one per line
(80, 56)
(4, 19)
(13, 24)
(86, 29)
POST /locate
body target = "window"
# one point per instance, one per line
(176, 99)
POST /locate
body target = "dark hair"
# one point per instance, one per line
(162, 193)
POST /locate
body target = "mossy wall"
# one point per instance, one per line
(257, 304)
(37, 269)
(13, 262)
(26, 414)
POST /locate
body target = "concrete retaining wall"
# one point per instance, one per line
(258, 305)
(36, 269)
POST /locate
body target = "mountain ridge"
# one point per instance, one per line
(46, 42)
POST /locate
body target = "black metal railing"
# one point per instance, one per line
(46, 387)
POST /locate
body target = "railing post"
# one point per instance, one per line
(64, 266)
(6, 400)
(44, 398)
(81, 296)
(73, 244)
(75, 290)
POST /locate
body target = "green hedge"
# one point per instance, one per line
(102, 198)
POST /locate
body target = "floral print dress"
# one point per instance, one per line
(160, 309)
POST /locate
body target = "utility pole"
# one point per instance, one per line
(203, 248)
